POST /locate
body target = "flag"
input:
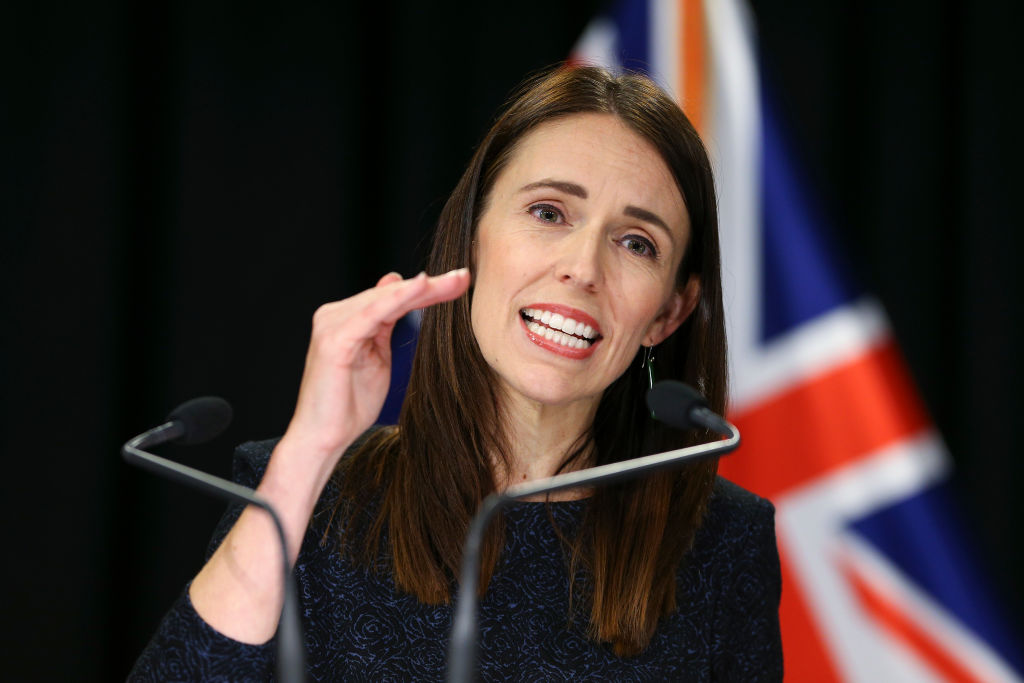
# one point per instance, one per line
(877, 584)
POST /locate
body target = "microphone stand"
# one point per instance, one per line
(291, 665)
(462, 649)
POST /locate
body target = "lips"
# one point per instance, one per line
(565, 330)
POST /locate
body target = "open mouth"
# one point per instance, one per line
(559, 329)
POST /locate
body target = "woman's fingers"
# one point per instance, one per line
(429, 291)
(392, 298)
(388, 279)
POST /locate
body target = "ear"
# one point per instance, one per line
(675, 312)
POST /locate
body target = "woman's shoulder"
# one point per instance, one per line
(250, 460)
(730, 498)
(737, 520)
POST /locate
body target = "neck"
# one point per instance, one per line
(541, 437)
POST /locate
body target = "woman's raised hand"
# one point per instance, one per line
(348, 370)
(348, 366)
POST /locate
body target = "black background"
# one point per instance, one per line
(183, 183)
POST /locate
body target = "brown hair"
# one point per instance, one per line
(415, 488)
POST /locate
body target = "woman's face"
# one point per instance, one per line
(576, 257)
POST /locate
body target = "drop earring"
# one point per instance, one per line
(648, 362)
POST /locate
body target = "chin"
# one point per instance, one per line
(554, 392)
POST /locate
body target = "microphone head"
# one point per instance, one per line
(671, 402)
(202, 418)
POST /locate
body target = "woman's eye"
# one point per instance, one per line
(641, 246)
(546, 213)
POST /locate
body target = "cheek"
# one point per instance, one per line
(490, 297)
(485, 285)
(639, 302)
(502, 266)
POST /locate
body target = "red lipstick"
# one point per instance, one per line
(551, 345)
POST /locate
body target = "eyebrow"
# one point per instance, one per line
(579, 191)
(564, 186)
(650, 217)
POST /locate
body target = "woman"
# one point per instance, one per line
(582, 236)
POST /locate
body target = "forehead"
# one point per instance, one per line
(605, 156)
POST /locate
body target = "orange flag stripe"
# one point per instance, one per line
(692, 63)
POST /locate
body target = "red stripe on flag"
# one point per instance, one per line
(896, 621)
(804, 653)
(826, 422)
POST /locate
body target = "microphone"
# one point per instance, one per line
(683, 407)
(671, 402)
(202, 419)
(195, 422)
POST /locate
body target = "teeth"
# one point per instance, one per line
(556, 327)
(556, 336)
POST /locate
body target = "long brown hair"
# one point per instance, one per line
(408, 493)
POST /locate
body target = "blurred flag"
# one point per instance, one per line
(877, 585)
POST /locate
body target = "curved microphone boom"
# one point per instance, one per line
(198, 421)
(671, 402)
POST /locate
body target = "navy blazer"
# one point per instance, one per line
(357, 626)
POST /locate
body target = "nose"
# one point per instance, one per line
(580, 259)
